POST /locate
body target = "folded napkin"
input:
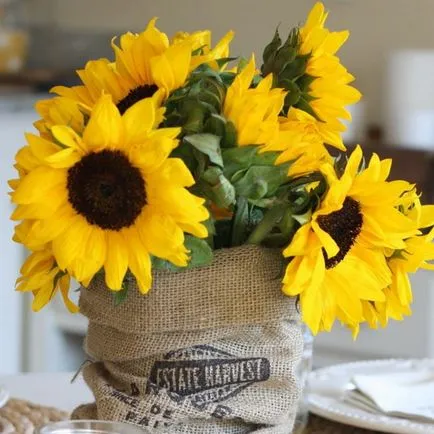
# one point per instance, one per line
(404, 394)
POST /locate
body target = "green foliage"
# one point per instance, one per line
(120, 296)
(254, 199)
(208, 144)
(217, 188)
(288, 67)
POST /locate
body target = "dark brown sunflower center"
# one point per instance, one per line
(343, 226)
(136, 95)
(106, 189)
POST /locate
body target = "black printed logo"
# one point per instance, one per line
(204, 374)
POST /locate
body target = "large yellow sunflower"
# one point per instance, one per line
(346, 237)
(146, 65)
(253, 110)
(41, 275)
(330, 87)
(113, 192)
(319, 93)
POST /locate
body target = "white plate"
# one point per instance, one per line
(4, 396)
(327, 386)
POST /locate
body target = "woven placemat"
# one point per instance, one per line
(319, 425)
(23, 417)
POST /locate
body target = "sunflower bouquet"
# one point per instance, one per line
(166, 154)
(176, 184)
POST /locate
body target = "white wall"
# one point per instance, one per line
(378, 26)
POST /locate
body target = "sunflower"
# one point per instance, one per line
(113, 192)
(300, 140)
(146, 65)
(253, 110)
(318, 88)
(346, 237)
(329, 90)
(40, 275)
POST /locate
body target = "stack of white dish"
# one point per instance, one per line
(395, 396)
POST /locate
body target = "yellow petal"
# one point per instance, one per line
(42, 297)
(64, 283)
(299, 242)
(105, 129)
(68, 137)
(170, 69)
(174, 171)
(328, 243)
(139, 120)
(139, 260)
(63, 159)
(162, 237)
(40, 147)
(37, 185)
(116, 263)
(67, 245)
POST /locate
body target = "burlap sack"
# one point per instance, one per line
(208, 350)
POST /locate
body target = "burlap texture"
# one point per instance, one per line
(208, 350)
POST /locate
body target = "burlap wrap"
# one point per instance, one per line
(208, 350)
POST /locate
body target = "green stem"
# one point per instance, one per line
(266, 226)
(240, 222)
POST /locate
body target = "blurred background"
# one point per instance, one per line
(390, 51)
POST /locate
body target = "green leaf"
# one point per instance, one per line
(224, 60)
(240, 225)
(212, 175)
(208, 144)
(185, 152)
(195, 119)
(223, 193)
(216, 125)
(303, 218)
(295, 68)
(202, 163)
(163, 265)
(237, 158)
(305, 81)
(227, 78)
(217, 188)
(264, 158)
(294, 94)
(210, 226)
(230, 137)
(212, 99)
(261, 181)
(120, 296)
(302, 104)
(270, 52)
(200, 252)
